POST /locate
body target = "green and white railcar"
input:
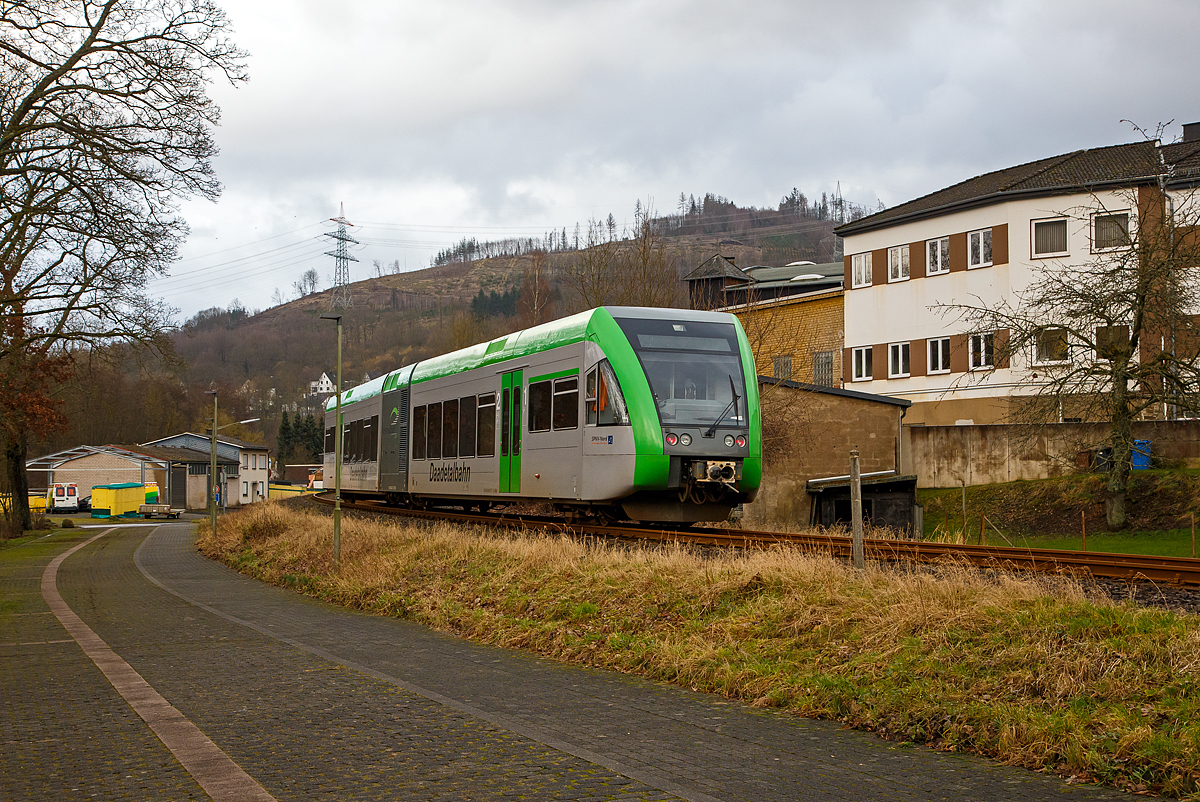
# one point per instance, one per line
(619, 411)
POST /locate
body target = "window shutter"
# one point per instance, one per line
(848, 275)
(958, 252)
(920, 355)
(1000, 343)
(879, 268)
(1000, 244)
(847, 365)
(917, 257)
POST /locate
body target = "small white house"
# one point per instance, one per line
(323, 385)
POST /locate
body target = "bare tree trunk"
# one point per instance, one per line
(1122, 442)
(15, 450)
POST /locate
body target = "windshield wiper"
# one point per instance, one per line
(731, 405)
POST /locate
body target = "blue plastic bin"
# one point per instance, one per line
(1141, 455)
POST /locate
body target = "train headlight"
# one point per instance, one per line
(741, 441)
(685, 439)
(729, 441)
(671, 439)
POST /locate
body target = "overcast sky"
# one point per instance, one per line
(435, 121)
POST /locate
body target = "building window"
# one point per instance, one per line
(983, 354)
(898, 360)
(1110, 231)
(861, 269)
(979, 248)
(1051, 346)
(1049, 238)
(245, 460)
(781, 366)
(939, 355)
(245, 489)
(937, 256)
(898, 263)
(862, 364)
(823, 368)
(1112, 341)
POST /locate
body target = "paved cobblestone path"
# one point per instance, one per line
(318, 702)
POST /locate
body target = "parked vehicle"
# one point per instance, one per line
(62, 497)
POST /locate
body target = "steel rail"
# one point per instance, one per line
(1170, 570)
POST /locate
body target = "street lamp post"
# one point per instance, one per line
(212, 467)
(337, 449)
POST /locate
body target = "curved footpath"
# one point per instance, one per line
(158, 647)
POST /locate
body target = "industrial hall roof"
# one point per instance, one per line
(161, 456)
(1132, 164)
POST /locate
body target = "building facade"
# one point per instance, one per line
(245, 466)
(914, 272)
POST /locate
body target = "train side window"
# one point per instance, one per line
(590, 397)
(373, 442)
(433, 440)
(450, 429)
(605, 402)
(566, 403)
(540, 397)
(328, 439)
(418, 432)
(466, 426)
(347, 441)
(504, 407)
(485, 437)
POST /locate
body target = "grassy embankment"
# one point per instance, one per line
(1050, 513)
(1027, 670)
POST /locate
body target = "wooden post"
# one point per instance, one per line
(1083, 527)
(982, 531)
(856, 524)
(964, 505)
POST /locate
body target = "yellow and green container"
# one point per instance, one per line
(118, 500)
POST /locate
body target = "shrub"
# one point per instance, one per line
(67, 523)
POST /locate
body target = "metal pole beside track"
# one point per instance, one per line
(337, 450)
(212, 467)
(856, 524)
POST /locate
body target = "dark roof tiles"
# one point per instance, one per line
(1131, 163)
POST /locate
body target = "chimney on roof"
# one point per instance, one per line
(1191, 132)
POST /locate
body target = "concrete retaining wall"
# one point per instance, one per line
(946, 456)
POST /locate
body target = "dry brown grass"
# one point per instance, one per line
(1030, 670)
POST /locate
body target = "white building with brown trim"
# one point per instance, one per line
(981, 243)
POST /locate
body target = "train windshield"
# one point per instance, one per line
(694, 370)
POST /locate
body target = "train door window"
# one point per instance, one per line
(485, 432)
(516, 435)
(450, 429)
(566, 403)
(540, 398)
(466, 426)
(433, 440)
(504, 407)
(418, 432)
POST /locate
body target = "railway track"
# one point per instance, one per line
(1171, 570)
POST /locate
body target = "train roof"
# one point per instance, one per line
(556, 333)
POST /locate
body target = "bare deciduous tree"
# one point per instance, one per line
(535, 304)
(1115, 337)
(104, 127)
(636, 272)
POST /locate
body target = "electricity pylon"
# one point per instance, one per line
(340, 298)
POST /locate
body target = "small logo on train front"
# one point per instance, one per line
(454, 472)
(601, 439)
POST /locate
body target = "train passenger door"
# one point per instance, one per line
(510, 432)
